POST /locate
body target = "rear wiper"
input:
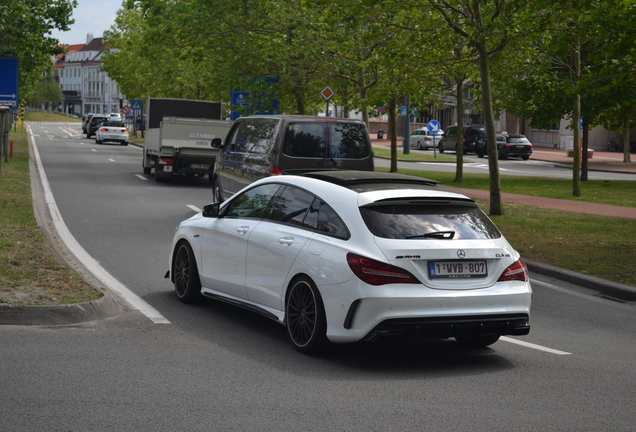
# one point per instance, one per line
(446, 235)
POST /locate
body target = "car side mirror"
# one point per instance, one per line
(211, 210)
(217, 143)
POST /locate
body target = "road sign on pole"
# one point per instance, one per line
(9, 81)
(433, 126)
(136, 105)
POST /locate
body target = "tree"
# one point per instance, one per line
(48, 90)
(25, 28)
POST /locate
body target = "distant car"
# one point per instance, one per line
(471, 135)
(86, 118)
(115, 117)
(111, 131)
(347, 256)
(423, 139)
(91, 125)
(514, 145)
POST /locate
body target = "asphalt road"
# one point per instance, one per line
(216, 367)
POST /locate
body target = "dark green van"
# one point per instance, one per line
(261, 146)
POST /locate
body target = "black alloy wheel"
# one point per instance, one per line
(305, 317)
(185, 274)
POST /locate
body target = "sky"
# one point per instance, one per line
(91, 16)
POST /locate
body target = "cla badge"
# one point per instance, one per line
(461, 253)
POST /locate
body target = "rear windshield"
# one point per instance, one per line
(310, 140)
(518, 140)
(422, 222)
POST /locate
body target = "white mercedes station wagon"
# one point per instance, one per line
(348, 256)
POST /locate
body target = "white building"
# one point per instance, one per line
(86, 88)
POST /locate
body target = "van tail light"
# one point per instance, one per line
(124, 130)
(164, 161)
(276, 171)
(518, 271)
(378, 273)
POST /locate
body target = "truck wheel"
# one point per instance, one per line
(147, 170)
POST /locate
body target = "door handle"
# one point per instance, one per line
(242, 229)
(286, 241)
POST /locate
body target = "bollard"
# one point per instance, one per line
(10, 149)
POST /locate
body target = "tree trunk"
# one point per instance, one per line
(576, 115)
(393, 133)
(586, 129)
(363, 95)
(459, 170)
(496, 205)
(626, 133)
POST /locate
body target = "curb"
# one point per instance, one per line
(99, 309)
(613, 289)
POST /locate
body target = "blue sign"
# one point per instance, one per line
(240, 98)
(415, 112)
(9, 80)
(403, 111)
(433, 126)
(136, 105)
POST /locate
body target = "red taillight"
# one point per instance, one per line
(104, 130)
(427, 139)
(378, 273)
(516, 272)
(124, 130)
(276, 171)
(163, 161)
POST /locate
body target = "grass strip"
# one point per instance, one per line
(614, 192)
(31, 273)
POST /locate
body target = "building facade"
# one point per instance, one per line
(86, 88)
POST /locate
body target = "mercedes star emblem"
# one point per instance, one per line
(461, 253)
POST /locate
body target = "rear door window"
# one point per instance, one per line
(428, 221)
(305, 140)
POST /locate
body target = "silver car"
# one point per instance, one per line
(422, 139)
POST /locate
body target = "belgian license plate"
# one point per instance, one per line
(520, 146)
(457, 269)
(200, 166)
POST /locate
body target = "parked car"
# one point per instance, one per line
(261, 146)
(471, 135)
(86, 120)
(423, 139)
(348, 256)
(93, 123)
(514, 145)
(111, 131)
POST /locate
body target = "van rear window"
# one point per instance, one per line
(348, 141)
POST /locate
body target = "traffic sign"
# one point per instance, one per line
(433, 126)
(327, 93)
(9, 81)
(403, 111)
(136, 104)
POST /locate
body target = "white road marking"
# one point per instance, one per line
(196, 209)
(533, 346)
(140, 176)
(89, 262)
(112, 160)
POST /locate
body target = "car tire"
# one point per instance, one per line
(525, 157)
(502, 156)
(440, 148)
(185, 274)
(477, 341)
(480, 155)
(216, 191)
(147, 170)
(419, 146)
(124, 143)
(97, 141)
(305, 317)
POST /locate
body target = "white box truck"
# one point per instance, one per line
(183, 146)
